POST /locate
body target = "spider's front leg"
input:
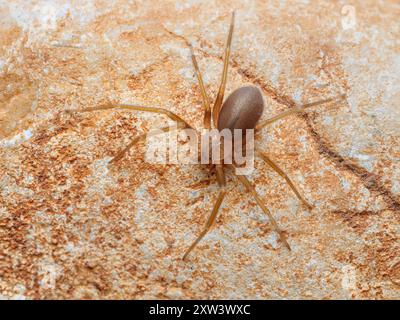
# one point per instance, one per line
(221, 92)
(206, 101)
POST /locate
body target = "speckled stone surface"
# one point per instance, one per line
(72, 226)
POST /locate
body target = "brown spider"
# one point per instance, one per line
(241, 110)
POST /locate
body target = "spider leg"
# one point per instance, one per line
(298, 109)
(206, 101)
(261, 204)
(142, 137)
(211, 219)
(181, 123)
(166, 112)
(221, 92)
(279, 171)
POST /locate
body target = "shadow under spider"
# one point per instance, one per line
(241, 110)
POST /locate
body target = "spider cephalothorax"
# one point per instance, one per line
(241, 110)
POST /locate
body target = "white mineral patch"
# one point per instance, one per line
(17, 139)
(349, 278)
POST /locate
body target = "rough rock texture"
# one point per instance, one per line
(72, 226)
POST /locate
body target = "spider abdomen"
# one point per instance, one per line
(242, 109)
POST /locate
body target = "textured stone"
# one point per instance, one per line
(72, 226)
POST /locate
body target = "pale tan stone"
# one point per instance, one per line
(73, 227)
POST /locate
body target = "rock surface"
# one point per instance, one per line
(74, 226)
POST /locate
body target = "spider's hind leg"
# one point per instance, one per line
(249, 186)
(211, 219)
(279, 171)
